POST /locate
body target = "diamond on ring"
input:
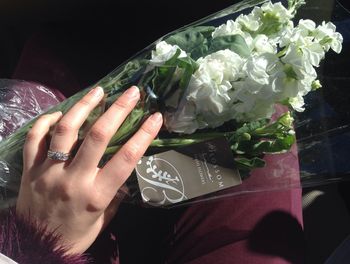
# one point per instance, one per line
(57, 155)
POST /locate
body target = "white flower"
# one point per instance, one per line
(307, 49)
(301, 60)
(276, 11)
(261, 45)
(285, 35)
(254, 96)
(233, 28)
(256, 68)
(269, 20)
(313, 53)
(297, 103)
(299, 72)
(210, 84)
(300, 35)
(230, 28)
(280, 68)
(302, 50)
(290, 87)
(248, 22)
(328, 37)
(307, 26)
(207, 102)
(252, 107)
(269, 81)
(164, 52)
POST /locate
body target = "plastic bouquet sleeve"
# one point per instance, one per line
(20, 101)
(253, 98)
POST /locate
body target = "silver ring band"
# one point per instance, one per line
(57, 155)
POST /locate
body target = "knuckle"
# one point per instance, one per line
(84, 102)
(148, 129)
(121, 104)
(99, 135)
(32, 135)
(63, 127)
(42, 184)
(65, 190)
(96, 202)
(130, 154)
(42, 122)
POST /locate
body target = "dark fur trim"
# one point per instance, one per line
(27, 242)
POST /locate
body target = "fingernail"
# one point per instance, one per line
(132, 92)
(97, 92)
(156, 117)
(57, 113)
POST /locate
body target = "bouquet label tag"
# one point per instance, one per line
(177, 175)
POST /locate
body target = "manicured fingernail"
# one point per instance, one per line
(156, 117)
(97, 92)
(132, 92)
(57, 113)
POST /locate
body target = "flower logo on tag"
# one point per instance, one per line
(162, 181)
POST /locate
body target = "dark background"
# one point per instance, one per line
(94, 36)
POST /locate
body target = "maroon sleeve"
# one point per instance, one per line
(26, 242)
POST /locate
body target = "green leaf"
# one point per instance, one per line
(193, 40)
(258, 137)
(275, 146)
(248, 128)
(162, 79)
(123, 77)
(173, 59)
(236, 43)
(183, 62)
(283, 125)
(130, 125)
(163, 75)
(163, 83)
(249, 164)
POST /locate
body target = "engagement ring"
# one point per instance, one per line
(57, 155)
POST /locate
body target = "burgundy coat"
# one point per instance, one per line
(27, 242)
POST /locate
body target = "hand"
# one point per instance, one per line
(75, 197)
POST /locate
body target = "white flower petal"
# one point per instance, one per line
(164, 52)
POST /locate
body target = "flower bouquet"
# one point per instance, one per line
(229, 87)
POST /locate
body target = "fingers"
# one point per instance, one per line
(66, 131)
(119, 168)
(35, 145)
(97, 139)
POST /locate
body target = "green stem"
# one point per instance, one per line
(282, 52)
(112, 150)
(176, 142)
